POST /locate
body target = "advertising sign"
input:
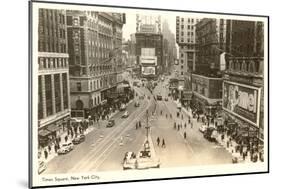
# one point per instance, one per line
(242, 101)
(150, 60)
(148, 51)
(148, 70)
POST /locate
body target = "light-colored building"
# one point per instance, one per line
(186, 40)
(53, 76)
(95, 62)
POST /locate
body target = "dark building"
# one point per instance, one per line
(243, 80)
(207, 78)
(53, 76)
(151, 41)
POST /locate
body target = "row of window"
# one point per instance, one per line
(49, 106)
(52, 63)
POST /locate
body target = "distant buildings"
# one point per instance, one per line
(186, 40)
(95, 60)
(169, 47)
(53, 75)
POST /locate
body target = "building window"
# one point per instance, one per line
(40, 99)
(48, 94)
(79, 87)
(57, 92)
(181, 73)
(182, 55)
(65, 91)
(188, 27)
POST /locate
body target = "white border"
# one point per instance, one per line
(149, 174)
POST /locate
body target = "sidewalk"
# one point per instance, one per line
(232, 145)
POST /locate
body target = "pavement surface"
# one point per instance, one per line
(104, 148)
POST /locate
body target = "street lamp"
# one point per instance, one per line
(147, 128)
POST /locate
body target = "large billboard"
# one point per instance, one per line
(242, 101)
(148, 60)
(148, 70)
(148, 51)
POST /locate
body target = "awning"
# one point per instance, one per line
(43, 132)
(103, 102)
(53, 128)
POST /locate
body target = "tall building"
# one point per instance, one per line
(95, 60)
(186, 40)
(53, 75)
(149, 46)
(207, 78)
(169, 47)
(243, 81)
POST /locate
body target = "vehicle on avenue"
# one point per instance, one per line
(110, 123)
(159, 97)
(65, 148)
(125, 115)
(41, 167)
(166, 98)
(123, 107)
(80, 138)
(203, 128)
(237, 158)
(137, 104)
(211, 134)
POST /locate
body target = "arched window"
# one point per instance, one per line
(79, 105)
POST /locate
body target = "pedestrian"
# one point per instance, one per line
(170, 116)
(181, 116)
(185, 125)
(191, 125)
(189, 120)
(49, 148)
(175, 125)
(139, 124)
(161, 112)
(184, 135)
(45, 154)
(163, 143)
(136, 125)
(158, 141)
(166, 116)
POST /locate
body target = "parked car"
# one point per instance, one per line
(125, 115)
(110, 123)
(203, 128)
(79, 139)
(137, 104)
(211, 134)
(65, 148)
(41, 167)
(159, 97)
(166, 98)
(123, 107)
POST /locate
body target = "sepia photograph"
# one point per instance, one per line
(125, 94)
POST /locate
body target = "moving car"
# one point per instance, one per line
(41, 167)
(79, 139)
(159, 97)
(110, 123)
(65, 148)
(125, 115)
